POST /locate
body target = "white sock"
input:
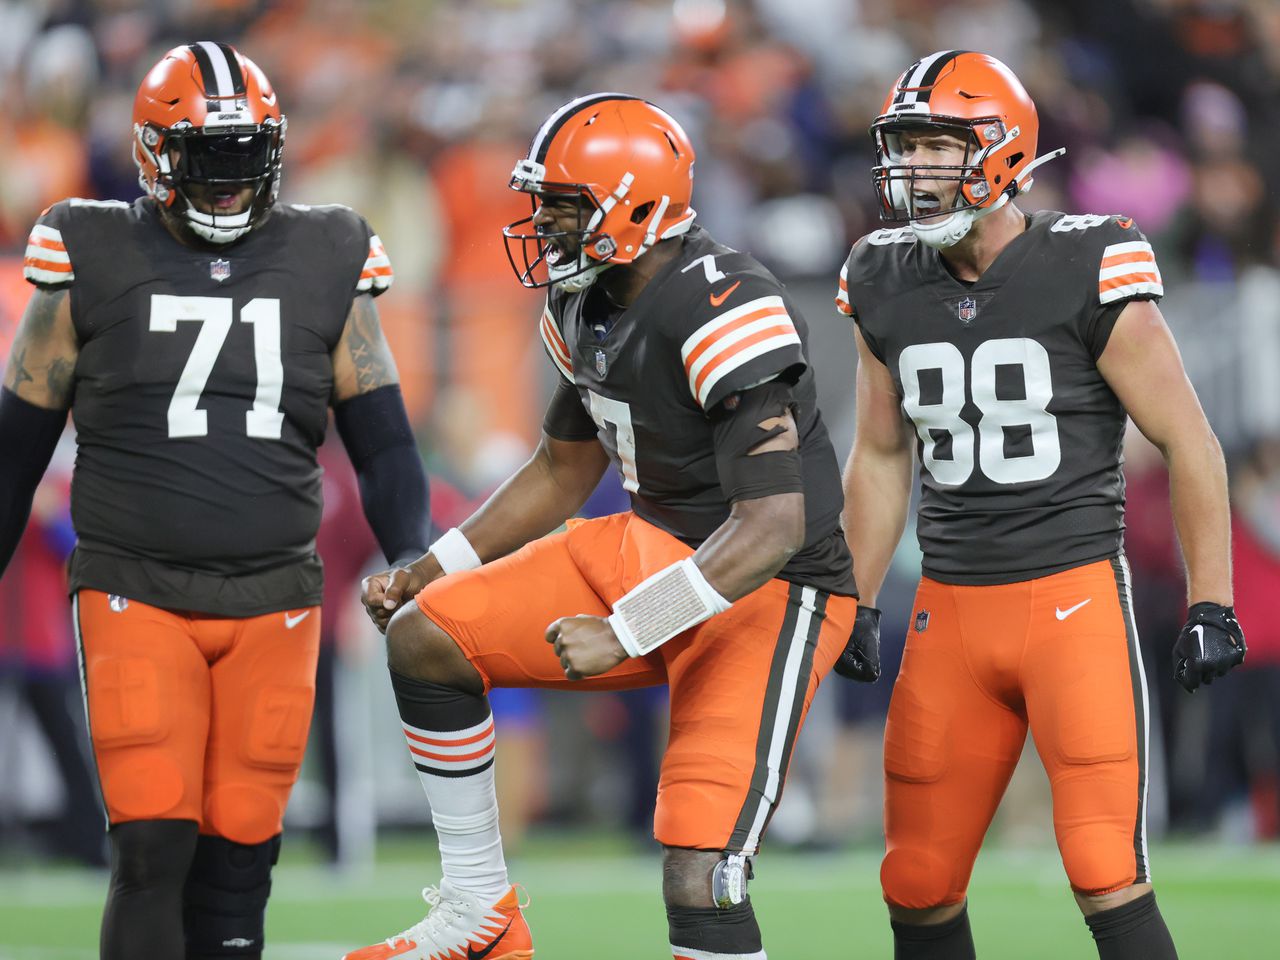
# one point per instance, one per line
(456, 770)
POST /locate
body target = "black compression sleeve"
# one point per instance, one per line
(744, 474)
(393, 484)
(28, 435)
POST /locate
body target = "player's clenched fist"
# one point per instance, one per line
(586, 646)
(860, 659)
(1210, 644)
(384, 593)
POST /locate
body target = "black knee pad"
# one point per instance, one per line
(225, 899)
(733, 932)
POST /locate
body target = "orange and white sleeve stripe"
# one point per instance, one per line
(557, 350)
(46, 259)
(734, 338)
(376, 275)
(842, 294)
(1128, 269)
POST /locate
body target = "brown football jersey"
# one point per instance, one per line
(713, 322)
(201, 394)
(1018, 435)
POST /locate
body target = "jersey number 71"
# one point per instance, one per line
(186, 419)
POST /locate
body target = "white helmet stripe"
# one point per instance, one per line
(222, 74)
(917, 78)
(553, 123)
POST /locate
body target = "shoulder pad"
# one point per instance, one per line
(738, 332)
(351, 229)
(867, 261)
(1126, 263)
(46, 262)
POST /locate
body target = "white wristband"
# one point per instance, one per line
(454, 553)
(663, 606)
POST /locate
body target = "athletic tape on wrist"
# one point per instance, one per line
(454, 553)
(666, 604)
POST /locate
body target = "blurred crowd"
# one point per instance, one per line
(414, 112)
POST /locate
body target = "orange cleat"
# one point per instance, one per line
(459, 927)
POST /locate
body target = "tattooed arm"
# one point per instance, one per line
(369, 411)
(38, 389)
(43, 358)
(362, 361)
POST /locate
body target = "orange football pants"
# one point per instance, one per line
(982, 664)
(197, 717)
(740, 683)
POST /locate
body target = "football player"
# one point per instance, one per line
(1005, 350)
(684, 362)
(199, 336)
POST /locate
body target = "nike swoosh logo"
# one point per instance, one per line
(717, 300)
(291, 622)
(1199, 632)
(474, 954)
(1063, 614)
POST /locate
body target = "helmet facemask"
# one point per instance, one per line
(194, 163)
(909, 193)
(569, 259)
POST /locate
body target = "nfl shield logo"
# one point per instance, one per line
(922, 621)
(602, 362)
(968, 310)
(220, 270)
(118, 603)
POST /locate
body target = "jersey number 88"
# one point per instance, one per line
(945, 414)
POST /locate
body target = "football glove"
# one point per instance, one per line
(1210, 644)
(861, 657)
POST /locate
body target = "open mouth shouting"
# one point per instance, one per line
(555, 253)
(926, 204)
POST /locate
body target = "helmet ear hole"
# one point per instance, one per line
(641, 213)
(1014, 159)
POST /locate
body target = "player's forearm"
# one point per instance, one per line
(751, 546)
(1201, 514)
(28, 435)
(537, 499)
(877, 495)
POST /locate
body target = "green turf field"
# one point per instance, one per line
(592, 900)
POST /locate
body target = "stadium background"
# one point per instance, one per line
(414, 112)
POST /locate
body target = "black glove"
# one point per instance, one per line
(861, 657)
(1210, 644)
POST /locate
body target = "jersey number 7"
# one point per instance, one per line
(186, 419)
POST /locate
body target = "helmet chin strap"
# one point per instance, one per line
(956, 227)
(580, 281)
(215, 228)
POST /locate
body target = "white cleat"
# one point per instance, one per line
(459, 927)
